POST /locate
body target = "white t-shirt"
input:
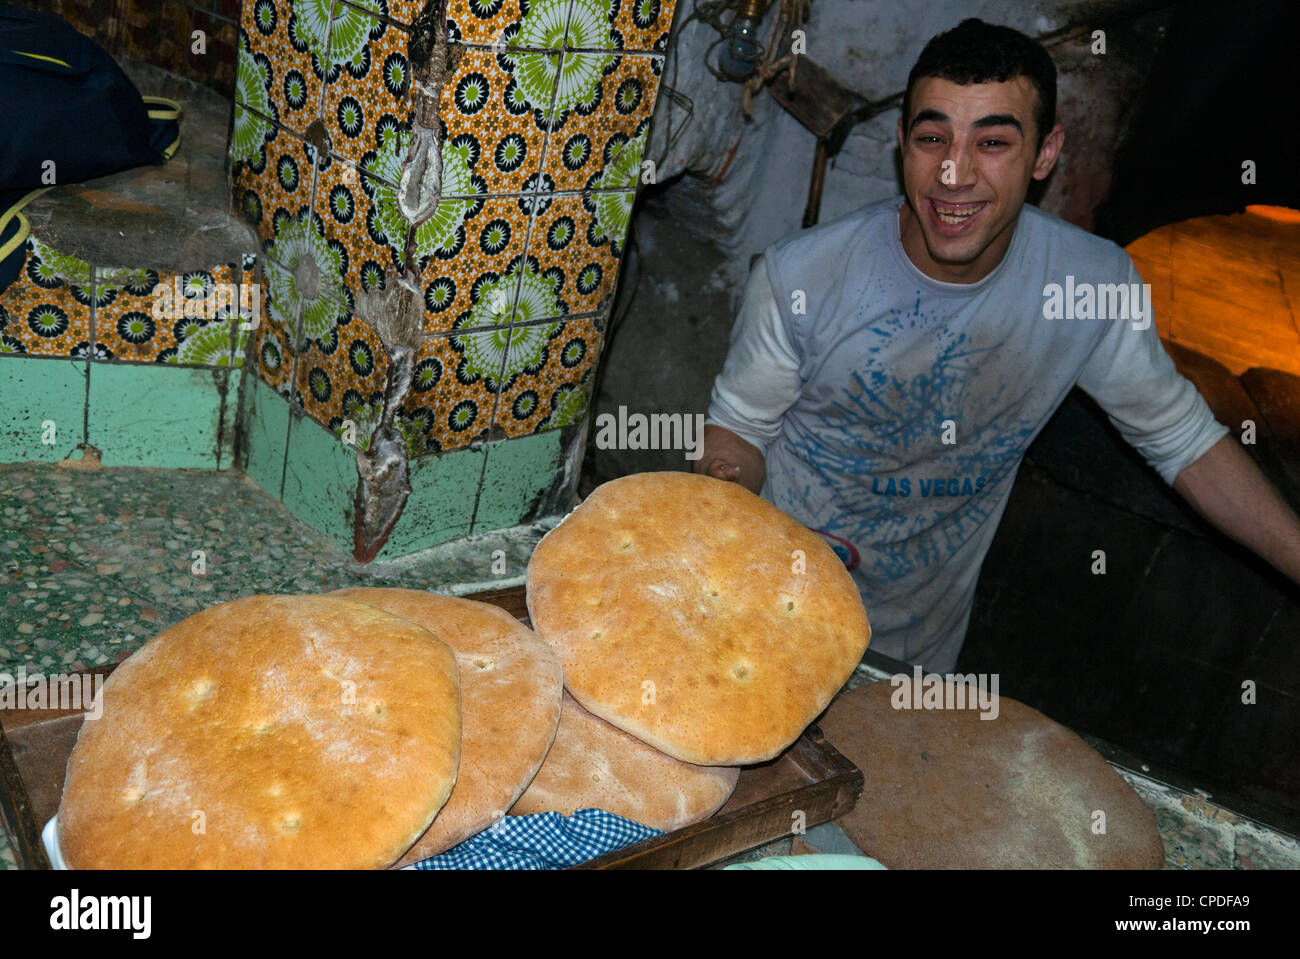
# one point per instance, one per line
(893, 410)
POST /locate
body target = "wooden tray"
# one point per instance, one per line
(810, 777)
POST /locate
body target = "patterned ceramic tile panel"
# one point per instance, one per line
(274, 357)
(195, 325)
(472, 280)
(9, 344)
(125, 327)
(352, 28)
(471, 21)
(550, 24)
(368, 96)
(453, 398)
(571, 241)
(283, 59)
(590, 26)
(555, 371)
(548, 84)
(615, 112)
(271, 177)
(639, 24)
(260, 198)
(47, 307)
(305, 293)
(362, 226)
(343, 376)
(484, 100)
(511, 272)
(48, 311)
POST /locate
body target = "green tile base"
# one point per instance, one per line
(518, 472)
(265, 432)
(441, 504)
(162, 416)
(179, 418)
(41, 400)
(320, 480)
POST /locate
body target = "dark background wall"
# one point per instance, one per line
(1222, 90)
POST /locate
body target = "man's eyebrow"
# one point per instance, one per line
(992, 120)
(927, 115)
(999, 120)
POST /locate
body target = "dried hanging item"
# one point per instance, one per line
(396, 312)
(789, 18)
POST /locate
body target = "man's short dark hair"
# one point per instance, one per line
(979, 52)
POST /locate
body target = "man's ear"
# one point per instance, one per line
(900, 134)
(1048, 152)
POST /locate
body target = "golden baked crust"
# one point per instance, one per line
(271, 731)
(696, 616)
(594, 765)
(510, 689)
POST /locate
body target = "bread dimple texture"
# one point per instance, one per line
(511, 684)
(280, 731)
(743, 622)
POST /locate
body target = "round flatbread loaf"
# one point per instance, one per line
(945, 789)
(696, 616)
(510, 689)
(271, 731)
(594, 765)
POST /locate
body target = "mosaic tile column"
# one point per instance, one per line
(542, 118)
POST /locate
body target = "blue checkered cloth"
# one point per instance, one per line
(542, 841)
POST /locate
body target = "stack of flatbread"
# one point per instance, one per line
(700, 629)
(510, 689)
(695, 626)
(311, 731)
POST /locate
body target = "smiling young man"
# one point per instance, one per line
(888, 370)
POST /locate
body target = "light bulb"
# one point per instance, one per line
(739, 58)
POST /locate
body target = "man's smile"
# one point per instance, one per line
(952, 219)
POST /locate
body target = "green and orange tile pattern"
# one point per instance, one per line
(60, 306)
(543, 127)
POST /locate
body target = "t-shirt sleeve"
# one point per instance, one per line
(760, 378)
(1156, 409)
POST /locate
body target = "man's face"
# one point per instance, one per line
(969, 154)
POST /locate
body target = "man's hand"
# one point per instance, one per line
(728, 457)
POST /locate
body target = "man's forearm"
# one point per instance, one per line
(1228, 489)
(727, 456)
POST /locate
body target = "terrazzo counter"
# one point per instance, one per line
(94, 562)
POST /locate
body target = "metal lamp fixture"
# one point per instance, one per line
(740, 57)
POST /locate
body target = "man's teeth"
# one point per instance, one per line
(950, 214)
